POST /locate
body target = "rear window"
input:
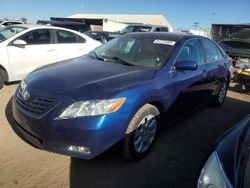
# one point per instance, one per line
(64, 37)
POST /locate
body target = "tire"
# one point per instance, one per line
(141, 132)
(247, 88)
(221, 96)
(2, 78)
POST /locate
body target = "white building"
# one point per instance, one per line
(116, 22)
(204, 33)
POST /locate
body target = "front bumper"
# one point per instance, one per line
(242, 77)
(97, 133)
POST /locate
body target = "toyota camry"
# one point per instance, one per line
(118, 92)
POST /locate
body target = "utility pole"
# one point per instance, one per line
(196, 24)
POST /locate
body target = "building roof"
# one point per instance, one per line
(125, 18)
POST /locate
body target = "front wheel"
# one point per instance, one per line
(141, 132)
(247, 88)
(221, 96)
(2, 78)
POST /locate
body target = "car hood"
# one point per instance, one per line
(83, 77)
(233, 150)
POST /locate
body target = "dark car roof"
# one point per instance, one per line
(147, 25)
(164, 35)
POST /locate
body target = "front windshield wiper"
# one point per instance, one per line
(118, 60)
(93, 55)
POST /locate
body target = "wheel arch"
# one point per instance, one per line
(6, 73)
(158, 105)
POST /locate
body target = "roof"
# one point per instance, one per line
(31, 26)
(244, 24)
(123, 18)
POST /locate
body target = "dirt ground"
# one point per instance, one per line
(174, 161)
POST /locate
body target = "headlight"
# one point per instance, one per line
(92, 108)
(212, 175)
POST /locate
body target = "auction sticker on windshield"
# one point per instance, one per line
(166, 42)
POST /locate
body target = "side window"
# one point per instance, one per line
(39, 36)
(211, 51)
(65, 37)
(157, 29)
(80, 39)
(190, 52)
(164, 29)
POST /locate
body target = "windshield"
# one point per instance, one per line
(135, 50)
(9, 31)
(133, 28)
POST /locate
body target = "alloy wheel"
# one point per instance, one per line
(145, 133)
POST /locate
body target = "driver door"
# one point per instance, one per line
(38, 51)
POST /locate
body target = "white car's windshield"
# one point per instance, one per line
(9, 31)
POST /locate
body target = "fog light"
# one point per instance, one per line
(80, 149)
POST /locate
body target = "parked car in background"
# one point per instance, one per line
(82, 107)
(144, 28)
(102, 36)
(8, 23)
(235, 40)
(68, 24)
(229, 164)
(26, 47)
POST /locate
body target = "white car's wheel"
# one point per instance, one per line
(2, 78)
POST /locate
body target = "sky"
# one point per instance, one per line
(180, 13)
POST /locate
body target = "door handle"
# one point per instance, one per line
(204, 73)
(51, 50)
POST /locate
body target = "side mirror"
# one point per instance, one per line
(186, 65)
(19, 43)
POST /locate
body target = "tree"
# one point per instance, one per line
(23, 19)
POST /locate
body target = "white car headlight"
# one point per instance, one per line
(213, 175)
(92, 108)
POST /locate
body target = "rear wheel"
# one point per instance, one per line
(247, 88)
(221, 96)
(141, 132)
(2, 78)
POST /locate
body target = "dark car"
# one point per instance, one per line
(229, 164)
(234, 38)
(144, 28)
(102, 36)
(69, 24)
(82, 107)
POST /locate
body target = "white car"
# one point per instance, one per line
(23, 48)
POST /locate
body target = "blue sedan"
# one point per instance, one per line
(118, 92)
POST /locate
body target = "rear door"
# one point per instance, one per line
(213, 66)
(69, 45)
(38, 51)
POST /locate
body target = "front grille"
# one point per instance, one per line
(36, 106)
